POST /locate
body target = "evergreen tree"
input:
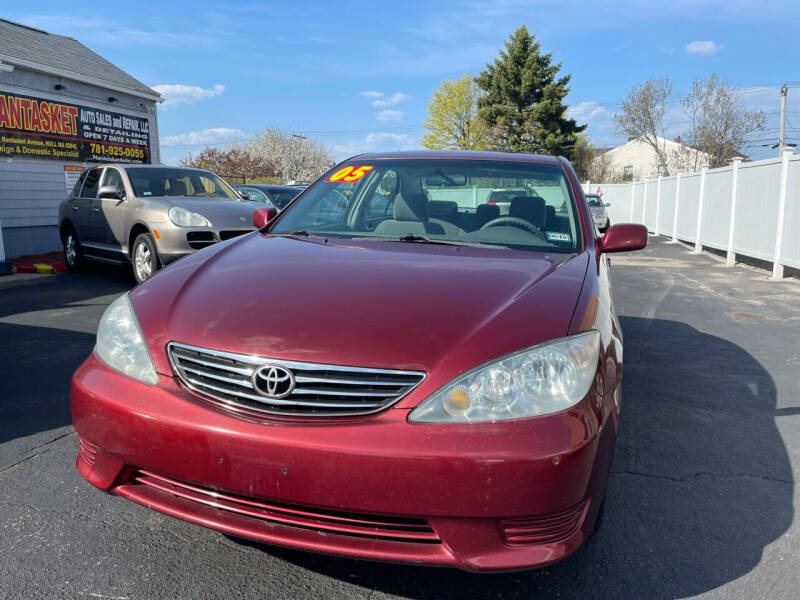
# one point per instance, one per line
(523, 100)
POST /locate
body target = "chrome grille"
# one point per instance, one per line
(320, 390)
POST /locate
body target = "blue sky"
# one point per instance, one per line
(357, 75)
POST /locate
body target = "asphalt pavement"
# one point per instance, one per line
(701, 502)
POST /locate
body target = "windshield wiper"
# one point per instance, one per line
(299, 233)
(424, 239)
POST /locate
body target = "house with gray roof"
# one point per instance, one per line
(63, 108)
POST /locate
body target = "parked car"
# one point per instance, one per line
(424, 397)
(276, 195)
(148, 215)
(599, 214)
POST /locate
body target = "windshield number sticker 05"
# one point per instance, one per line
(350, 174)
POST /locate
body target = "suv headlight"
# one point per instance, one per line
(185, 218)
(120, 343)
(537, 381)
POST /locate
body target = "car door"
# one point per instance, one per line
(112, 216)
(85, 209)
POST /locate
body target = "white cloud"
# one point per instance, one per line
(392, 100)
(214, 135)
(585, 112)
(391, 116)
(376, 141)
(703, 48)
(381, 99)
(177, 93)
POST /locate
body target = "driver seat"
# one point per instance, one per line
(529, 208)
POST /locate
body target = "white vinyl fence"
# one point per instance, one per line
(748, 208)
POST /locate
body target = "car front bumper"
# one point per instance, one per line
(489, 497)
(174, 242)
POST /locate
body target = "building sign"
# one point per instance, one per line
(71, 175)
(45, 129)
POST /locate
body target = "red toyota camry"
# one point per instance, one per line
(389, 370)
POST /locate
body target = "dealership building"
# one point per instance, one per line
(62, 108)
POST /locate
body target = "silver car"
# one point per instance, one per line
(599, 214)
(148, 215)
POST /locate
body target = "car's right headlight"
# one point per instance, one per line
(186, 218)
(541, 380)
(120, 343)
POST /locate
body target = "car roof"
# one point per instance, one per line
(542, 159)
(271, 186)
(148, 166)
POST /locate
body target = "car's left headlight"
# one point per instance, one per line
(542, 380)
(120, 343)
(186, 218)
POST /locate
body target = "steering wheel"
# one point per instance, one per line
(513, 222)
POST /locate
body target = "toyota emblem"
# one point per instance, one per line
(273, 381)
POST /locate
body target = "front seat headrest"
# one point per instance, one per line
(177, 188)
(529, 208)
(411, 207)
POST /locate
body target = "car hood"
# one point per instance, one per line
(360, 303)
(217, 211)
(597, 211)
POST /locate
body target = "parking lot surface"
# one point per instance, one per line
(701, 502)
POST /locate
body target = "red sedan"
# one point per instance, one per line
(388, 370)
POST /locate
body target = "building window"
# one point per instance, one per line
(627, 172)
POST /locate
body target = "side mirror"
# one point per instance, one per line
(110, 191)
(607, 204)
(623, 238)
(262, 216)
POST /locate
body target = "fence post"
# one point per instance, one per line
(658, 205)
(644, 204)
(633, 194)
(731, 258)
(587, 187)
(677, 202)
(698, 245)
(777, 267)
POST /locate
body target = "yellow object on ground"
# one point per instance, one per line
(43, 268)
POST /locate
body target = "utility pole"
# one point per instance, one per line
(784, 91)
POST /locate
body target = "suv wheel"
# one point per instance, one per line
(73, 256)
(144, 257)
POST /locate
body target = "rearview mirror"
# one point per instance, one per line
(262, 216)
(110, 191)
(446, 180)
(623, 238)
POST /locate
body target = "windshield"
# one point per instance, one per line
(196, 183)
(594, 200)
(441, 200)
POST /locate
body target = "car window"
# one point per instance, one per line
(254, 193)
(169, 181)
(76, 189)
(331, 208)
(445, 199)
(594, 200)
(282, 197)
(91, 183)
(113, 177)
(381, 202)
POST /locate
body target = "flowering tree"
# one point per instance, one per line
(235, 161)
(293, 157)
